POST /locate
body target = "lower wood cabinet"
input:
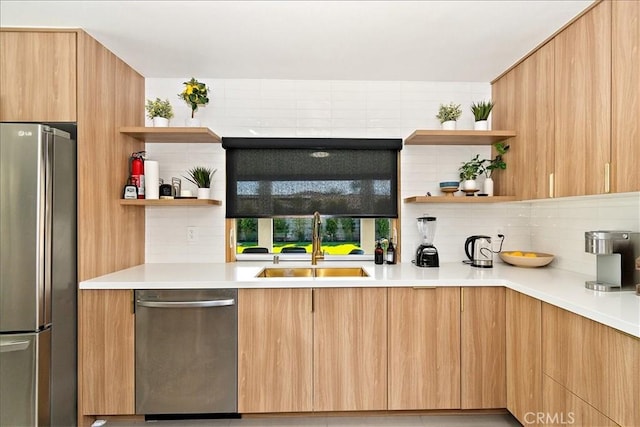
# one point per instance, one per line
(524, 356)
(424, 348)
(483, 348)
(275, 328)
(596, 363)
(562, 408)
(350, 349)
(106, 334)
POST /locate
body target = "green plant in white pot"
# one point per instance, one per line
(469, 171)
(491, 165)
(481, 111)
(159, 111)
(201, 176)
(448, 115)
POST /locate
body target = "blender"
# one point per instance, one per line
(427, 254)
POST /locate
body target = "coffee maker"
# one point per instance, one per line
(427, 254)
(615, 252)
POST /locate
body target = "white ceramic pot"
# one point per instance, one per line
(481, 125)
(468, 184)
(160, 122)
(449, 125)
(488, 187)
(192, 122)
(204, 193)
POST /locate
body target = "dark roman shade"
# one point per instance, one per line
(271, 177)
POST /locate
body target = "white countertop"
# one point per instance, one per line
(565, 289)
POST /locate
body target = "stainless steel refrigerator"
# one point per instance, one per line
(38, 278)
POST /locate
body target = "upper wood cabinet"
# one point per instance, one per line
(424, 348)
(625, 96)
(575, 105)
(524, 100)
(583, 104)
(524, 356)
(38, 72)
(350, 349)
(482, 344)
(275, 343)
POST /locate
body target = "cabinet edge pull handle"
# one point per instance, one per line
(607, 177)
(551, 184)
(424, 287)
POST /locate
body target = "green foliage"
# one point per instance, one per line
(471, 169)
(194, 94)
(497, 162)
(200, 176)
(159, 108)
(449, 112)
(481, 110)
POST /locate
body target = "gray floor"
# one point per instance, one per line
(380, 421)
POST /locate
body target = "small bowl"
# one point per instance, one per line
(540, 260)
(449, 184)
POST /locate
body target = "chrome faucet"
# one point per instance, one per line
(316, 240)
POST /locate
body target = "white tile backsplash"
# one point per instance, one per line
(316, 108)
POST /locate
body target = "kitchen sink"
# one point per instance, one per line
(313, 272)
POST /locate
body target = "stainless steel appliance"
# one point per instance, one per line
(478, 250)
(615, 252)
(427, 254)
(186, 351)
(37, 276)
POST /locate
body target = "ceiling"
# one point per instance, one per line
(471, 41)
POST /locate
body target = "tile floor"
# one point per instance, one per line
(379, 421)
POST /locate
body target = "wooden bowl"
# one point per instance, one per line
(540, 260)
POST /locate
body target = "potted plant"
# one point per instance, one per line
(469, 171)
(201, 177)
(481, 111)
(448, 114)
(490, 165)
(195, 94)
(159, 111)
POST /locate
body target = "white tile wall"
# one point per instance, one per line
(366, 109)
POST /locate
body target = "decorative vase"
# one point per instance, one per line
(192, 122)
(481, 125)
(468, 184)
(488, 187)
(449, 125)
(160, 122)
(204, 193)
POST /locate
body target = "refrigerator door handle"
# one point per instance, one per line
(9, 346)
(48, 226)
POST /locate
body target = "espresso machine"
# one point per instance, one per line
(615, 252)
(427, 254)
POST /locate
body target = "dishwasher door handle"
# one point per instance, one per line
(186, 304)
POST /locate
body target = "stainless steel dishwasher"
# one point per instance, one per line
(186, 351)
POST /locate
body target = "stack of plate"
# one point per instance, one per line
(449, 187)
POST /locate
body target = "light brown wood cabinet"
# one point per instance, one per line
(38, 72)
(424, 348)
(350, 349)
(524, 356)
(596, 363)
(524, 100)
(575, 105)
(562, 408)
(583, 104)
(106, 331)
(625, 96)
(483, 348)
(275, 350)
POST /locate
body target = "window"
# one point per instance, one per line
(340, 235)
